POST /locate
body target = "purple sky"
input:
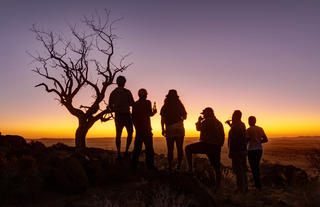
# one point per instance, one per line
(261, 57)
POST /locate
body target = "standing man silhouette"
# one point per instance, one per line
(255, 137)
(141, 113)
(238, 150)
(120, 101)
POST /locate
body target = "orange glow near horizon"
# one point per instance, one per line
(65, 128)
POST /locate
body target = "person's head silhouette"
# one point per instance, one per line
(172, 94)
(252, 120)
(236, 116)
(121, 81)
(208, 112)
(142, 93)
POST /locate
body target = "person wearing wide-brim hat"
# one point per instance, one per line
(172, 115)
(211, 141)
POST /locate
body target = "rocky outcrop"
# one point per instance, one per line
(29, 170)
(32, 174)
(283, 175)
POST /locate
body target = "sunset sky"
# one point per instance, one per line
(262, 57)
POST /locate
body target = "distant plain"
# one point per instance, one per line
(286, 151)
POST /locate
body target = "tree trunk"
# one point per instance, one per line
(81, 134)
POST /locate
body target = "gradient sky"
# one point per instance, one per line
(261, 57)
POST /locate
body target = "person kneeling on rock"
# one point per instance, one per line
(211, 141)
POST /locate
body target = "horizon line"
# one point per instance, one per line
(72, 138)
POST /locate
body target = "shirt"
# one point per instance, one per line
(141, 112)
(237, 137)
(211, 131)
(173, 113)
(255, 136)
(120, 100)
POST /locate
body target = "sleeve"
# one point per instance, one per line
(162, 111)
(199, 125)
(149, 108)
(111, 101)
(247, 135)
(264, 136)
(183, 112)
(229, 138)
(222, 133)
(134, 113)
(131, 100)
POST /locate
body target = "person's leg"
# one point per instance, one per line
(257, 173)
(129, 127)
(252, 163)
(170, 146)
(254, 157)
(243, 170)
(179, 143)
(251, 159)
(136, 150)
(194, 148)
(188, 151)
(215, 160)
(236, 170)
(119, 127)
(148, 142)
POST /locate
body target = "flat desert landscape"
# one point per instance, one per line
(286, 151)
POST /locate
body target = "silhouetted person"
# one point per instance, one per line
(172, 115)
(255, 138)
(238, 150)
(141, 113)
(211, 141)
(120, 101)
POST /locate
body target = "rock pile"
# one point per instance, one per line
(29, 170)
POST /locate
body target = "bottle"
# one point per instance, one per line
(154, 108)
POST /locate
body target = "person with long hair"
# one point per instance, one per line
(238, 150)
(172, 115)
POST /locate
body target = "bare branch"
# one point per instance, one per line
(68, 65)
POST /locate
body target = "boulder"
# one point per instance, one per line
(283, 175)
(37, 146)
(68, 175)
(21, 179)
(12, 143)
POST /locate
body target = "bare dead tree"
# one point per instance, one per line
(66, 65)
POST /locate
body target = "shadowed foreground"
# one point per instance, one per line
(34, 175)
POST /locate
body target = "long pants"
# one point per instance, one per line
(212, 151)
(254, 157)
(146, 138)
(170, 147)
(239, 166)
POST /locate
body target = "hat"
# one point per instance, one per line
(207, 110)
(172, 93)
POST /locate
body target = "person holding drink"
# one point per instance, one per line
(141, 113)
(238, 150)
(211, 141)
